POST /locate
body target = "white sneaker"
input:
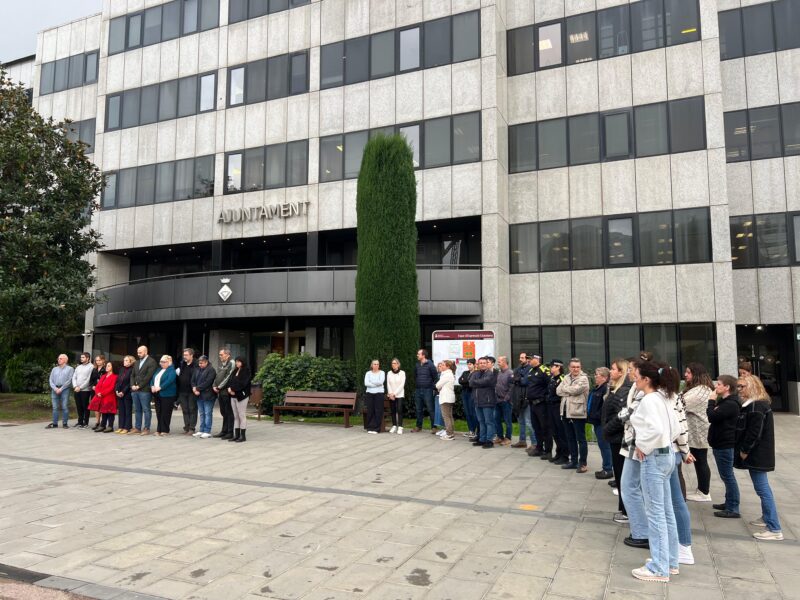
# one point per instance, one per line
(393, 429)
(685, 556)
(205, 436)
(646, 574)
(672, 570)
(615, 491)
(441, 433)
(771, 536)
(468, 434)
(698, 496)
(373, 432)
(198, 434)
(399, 431)
(759, 522)
(448, 438)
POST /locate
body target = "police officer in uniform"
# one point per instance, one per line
(538, 382)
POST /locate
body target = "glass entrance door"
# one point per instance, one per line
(769, 349)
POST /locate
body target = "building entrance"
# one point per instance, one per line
(770, 349)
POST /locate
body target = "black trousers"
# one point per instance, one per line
(107, 420)
(226, 410)
(125, 411)
(702, 469)
(374, 404)
(396, 406)
(82, 404)
(557, 427)
(541, 427)
(164, 407)
(618, 462)
(188, 402)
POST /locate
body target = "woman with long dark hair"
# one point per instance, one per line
(698, 391)
(613, 427)
(239, 390)
(105, 401)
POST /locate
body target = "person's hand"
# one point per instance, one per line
(216, 390)
(135, 388)
(640, 455)
(689, 458)
(77, 389)
(231, 392)
(743, 455)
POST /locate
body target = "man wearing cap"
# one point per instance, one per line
(482, 382)
(538, 380)
(553, 404)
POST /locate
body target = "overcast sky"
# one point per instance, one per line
(23, 19)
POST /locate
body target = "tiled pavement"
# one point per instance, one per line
(323, 513)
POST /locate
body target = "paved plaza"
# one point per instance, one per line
(327, 513)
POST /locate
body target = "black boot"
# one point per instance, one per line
(235, 435)
(242, 436)
(227, 436)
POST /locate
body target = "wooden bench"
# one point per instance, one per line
(339, 402)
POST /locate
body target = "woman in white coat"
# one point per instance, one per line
(447, 395)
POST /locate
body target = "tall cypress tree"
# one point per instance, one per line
(387, 298)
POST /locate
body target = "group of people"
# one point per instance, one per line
(115, 391)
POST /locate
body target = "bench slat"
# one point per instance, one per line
(326, 402)
(323, 395)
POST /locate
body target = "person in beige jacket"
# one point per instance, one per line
(574, 392)
(696, 395)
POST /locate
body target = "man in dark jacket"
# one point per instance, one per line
(224, 373)
(519, 401)
(466, 399)
(203, 390)
(425, 377)
(502, 410)
(143, 370)
(483, 382)
(723, 414)
(186, 399)
(538, 380)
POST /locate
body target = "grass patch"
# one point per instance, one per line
(28, 408)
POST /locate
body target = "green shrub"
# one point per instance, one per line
(29, 370)
(279, 374)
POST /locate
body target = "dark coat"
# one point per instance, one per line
(552, 386)
(203, 380)
(482, 384)
(463, 380)
(755, 436)
(185, 378)
(538, 382)
(519, 391)
(142, 375)
(240, 383)
(425, 375)
(613, 428)
(723, 416)
(594, 405)
(123, 384)
(96, 375)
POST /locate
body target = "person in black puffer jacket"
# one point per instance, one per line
(594, 416)
(613, 428)
(723, 414)
(755, 451)
(554, 412)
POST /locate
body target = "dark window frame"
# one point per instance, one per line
(780, 127)
(290, 5)
(562, 23)
(421, 53)
(634, 234)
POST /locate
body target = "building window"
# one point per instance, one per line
(67, 73)
(520, 51)
(590, 346)
(112, 112)
(613, 31)
(297, 163)
(758, 30)
(526, 339)
(557, 342)
(554, 245)
(238, 10)
(552, 148)
(184, 179)
(765, 132)
(47, 78)
(152, 25)
(437, 43)
(276, 166)
(356, 60)
(409, 54)
(130, 108)
(737, 147)
(466, 36)
(522, 148)
(731, 44)
(466, 138)
(787, 16)
(690, 231)
(187, 96)
(524, 244)
(650, 126)
(86, 134)
(772, 240)
(620, 249)
(412, 135)
(254, 167)
(437, 142)
(208, 89)
(353, 152)
(134, 31)
(586, 243)
(148, 105)
(165, 182)
(624, 341)
(116, 35)
(168, 100)
(145, 184)
(581, 40)
(790, 118)
(647, 25)
(682, 19)
(687, 125)
(272, 78)
(278, 77)
(655, 238)
(126, 188)
(76, 64)
(332, 65)
(617, 136)
(109, 199)
(381, 54)
(256, 77)
(549, 45)
(743, 242)
(331, 156)
(584, 139)
(233, 173)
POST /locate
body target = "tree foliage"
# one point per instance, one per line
(47, 196)
(387, 298)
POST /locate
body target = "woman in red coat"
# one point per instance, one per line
(105, 401)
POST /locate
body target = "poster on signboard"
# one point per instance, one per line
(459, 345)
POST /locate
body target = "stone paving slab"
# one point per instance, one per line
(322, 513)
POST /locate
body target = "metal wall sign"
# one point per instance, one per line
(225, 291)
(285, 210)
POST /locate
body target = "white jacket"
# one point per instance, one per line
(396, 383)
(655, 422)
(447, 380)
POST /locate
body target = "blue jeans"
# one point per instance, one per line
(682, 517)
(724, 458)
(661, 527)
(576, 441)
(141, 404)
(502, 414)
(438, 420)
(605, 448)
(631, 489)
(423, 400)
(769, 511)
(486, 423)
(205, 414)
(525, 425)
(60, 400)
(469, 409)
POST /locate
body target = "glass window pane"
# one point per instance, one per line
(581, 38)
(787, 16)
(796, 237)
(765, 132)
(204, 176)
(662, 341)
(209, 14)
(617, 138)
(130, 108)
(187, 96)
(353, 152)
(790, 117)
(148, 111)
(687, 125)
(278, 77)
(522, 148)
(87, 134)
(126, 188)
(411, 133)
(73, 132)
(296, 3)
(258, 8)
(466, 36)
(356, 60)
(112, 112)
(278, 5)
(189, 16)
(254, 169)
(552, 151)
(437, 42)
(620, 242)
(557, 343)
(692, 235)
(437, 142)
(651, 130)
(376, 131)
(548, 42)
(524, 248)
(90, 75)
(647, 25)
(409, 49)
(134, 31)
(297, 163)
(233, 173)
(110, 191)
(525, 339)
(236, 86)
(466, 138)
(145, 184)
(382, 54)
(171, 20)
(584, 139)
(655, 238)
(152, 25)
(682, 21)
(590, 347)
(731, 43)
(613, 27)
(165, 181)
(256, 76)
(184, 179)
(116, 35)
(331, 151)
(586, 239)
(276, 166)
(332, 65)
(737, 146)
(698, 344)
(758, 31)
(76, 70)
(168, 100)
(62, 75)
(743, 243)
(47, 77)
(772, 240)
(237, 11)
(554, 245)
(623, 341)
(299, 75)
(207, 92)
(520, 51)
